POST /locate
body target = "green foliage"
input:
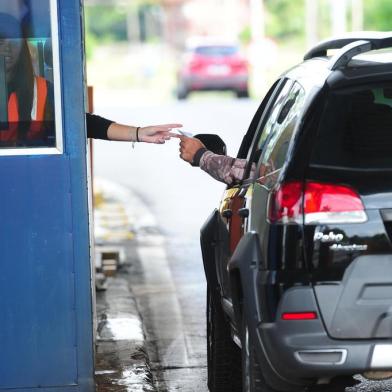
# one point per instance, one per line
(378, 15)
(324, 19)
(106, 23)
(285, 18)
(139, 3)
(245, 35)
(91, 43)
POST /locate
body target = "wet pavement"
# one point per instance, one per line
(170, 293)
(122, 363)
(161, 283)
(121, 360)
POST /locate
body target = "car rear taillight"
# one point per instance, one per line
(285, 203)
(195, 63)
(239, 65)
(315, 203)
(330, 203)
(299, 316)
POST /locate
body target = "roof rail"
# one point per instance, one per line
(344, 55)
(377, 40)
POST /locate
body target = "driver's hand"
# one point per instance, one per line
(188, 147)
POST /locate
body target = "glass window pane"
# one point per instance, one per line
(27, 97)
(355, 131)
(217, 50)
(275, 147)
(271, 122)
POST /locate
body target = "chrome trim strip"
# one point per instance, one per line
(335, 217)
(343, 352)
(228, 307)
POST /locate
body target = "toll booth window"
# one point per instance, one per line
(29, 77)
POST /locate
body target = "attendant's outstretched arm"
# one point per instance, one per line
(101, 128)
(157, 134)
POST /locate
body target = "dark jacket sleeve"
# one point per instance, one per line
(97, 127)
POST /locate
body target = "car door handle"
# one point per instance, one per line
(227, 214)
(243, 212)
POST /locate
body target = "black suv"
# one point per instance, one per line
(298, 257)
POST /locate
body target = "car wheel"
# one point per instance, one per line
(182, 93)
(252, 376)
(223, 355)
(253, 373)
(242, 93)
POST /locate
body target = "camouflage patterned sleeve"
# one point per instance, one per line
(223, 168)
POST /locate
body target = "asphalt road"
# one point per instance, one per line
(170, 283)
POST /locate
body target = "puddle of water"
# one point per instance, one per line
(133, 378)
(136, 379)
(103, 372)
(121, 329)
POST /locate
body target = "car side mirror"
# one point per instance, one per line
(212, 142)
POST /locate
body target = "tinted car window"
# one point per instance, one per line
(355, 130)
(273, 117)
(216, 50)
(267, 121)
(276, 145)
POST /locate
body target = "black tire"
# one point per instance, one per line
(242, 93)
(223, 355)
(254, 373)
(182, 93)
(252, 376)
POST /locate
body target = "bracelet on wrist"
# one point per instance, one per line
(136, 137)
(197, 157)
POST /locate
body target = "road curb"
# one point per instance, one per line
(122, 362)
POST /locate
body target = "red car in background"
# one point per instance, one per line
(213, 66)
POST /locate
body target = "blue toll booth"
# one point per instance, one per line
(46, 311)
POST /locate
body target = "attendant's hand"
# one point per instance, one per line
(157, 134)
(188, 147)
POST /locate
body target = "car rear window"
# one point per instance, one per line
(216, 50)
(355, 130)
